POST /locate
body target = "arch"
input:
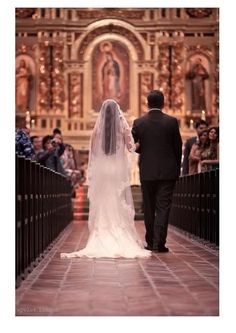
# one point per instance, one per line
(111, 27)
(203, 85)
(97, 40)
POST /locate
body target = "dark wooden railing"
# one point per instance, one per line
(195, 207)
(43, 210)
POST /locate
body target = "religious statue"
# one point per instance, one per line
(198, 74)
(111, 78)
(23, 77)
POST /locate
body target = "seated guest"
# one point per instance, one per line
(200, 126)
(57, 135)
(49, 157)
(24, 146)
(37, 144)
(210, 156)
(196, 150)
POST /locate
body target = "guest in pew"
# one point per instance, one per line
(196, 150)
(37, 144)
(49, 157)
(23, 143)
(200, 126)
(210, 155)
(57, 135)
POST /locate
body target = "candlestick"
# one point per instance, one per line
(32, 123)
(191, 125)
(203, 117)
(27, 119)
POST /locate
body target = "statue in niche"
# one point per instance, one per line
(197, 75)
(23, 80)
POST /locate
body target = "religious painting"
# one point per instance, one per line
(110, 74)
(198, 84)
(25, 83)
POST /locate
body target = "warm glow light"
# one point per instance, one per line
(191, 124)
(203, 117)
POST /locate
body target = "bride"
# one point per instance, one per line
(111, 226)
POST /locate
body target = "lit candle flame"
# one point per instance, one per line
(203, 117)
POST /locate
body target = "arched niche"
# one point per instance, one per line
(25, 80)
(198, 83)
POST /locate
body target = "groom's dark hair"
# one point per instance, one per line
(155, 99)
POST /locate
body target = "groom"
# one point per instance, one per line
(160, 158)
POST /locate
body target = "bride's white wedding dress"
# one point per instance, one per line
(111, 226)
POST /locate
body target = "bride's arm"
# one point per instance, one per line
(128, 138)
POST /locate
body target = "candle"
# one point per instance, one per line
(32, 123)
(191, 124)
(27, 119)
(203, 117)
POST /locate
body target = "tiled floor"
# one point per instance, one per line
(183, 282)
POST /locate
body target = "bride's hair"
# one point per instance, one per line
(110, 144)
(110, 127)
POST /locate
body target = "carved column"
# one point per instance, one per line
(163, 69)
(146, 84)
(177, 77)
(58, 82)
(44, 77)
(216, 79)
(75, 97)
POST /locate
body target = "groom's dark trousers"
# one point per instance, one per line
(159, 164)
(157, 197)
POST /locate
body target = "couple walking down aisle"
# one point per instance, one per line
(156, 137)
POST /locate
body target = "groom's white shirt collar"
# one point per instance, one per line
(152, 109)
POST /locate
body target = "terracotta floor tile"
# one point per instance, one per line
(183, 282)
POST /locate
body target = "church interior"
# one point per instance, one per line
(67, 62)
(64, 51)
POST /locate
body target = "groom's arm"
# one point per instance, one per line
(135, 136)
(177, 144)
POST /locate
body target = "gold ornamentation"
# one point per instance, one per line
(146, 86)
(163, 70)
(44, 77)
(177, 79)
(199, 12)
(111, 29)
(110, 13)
(23, 13)
(58, 94)
(75, 94)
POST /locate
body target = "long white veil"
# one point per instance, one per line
(109, 192)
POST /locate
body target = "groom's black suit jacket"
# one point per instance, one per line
(160, 146)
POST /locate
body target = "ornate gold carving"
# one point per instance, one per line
(177, 80)
(205, 49)
(216, 79)
(23, 13)
(199, 12)
(84, 14)
(111, 28)
(44, 76)
(164, 71)
(58, 94)
(25, 49)
(75, 94)
(145, 87)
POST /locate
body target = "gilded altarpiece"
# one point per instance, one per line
(76, 58)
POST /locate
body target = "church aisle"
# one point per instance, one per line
(181, 282)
